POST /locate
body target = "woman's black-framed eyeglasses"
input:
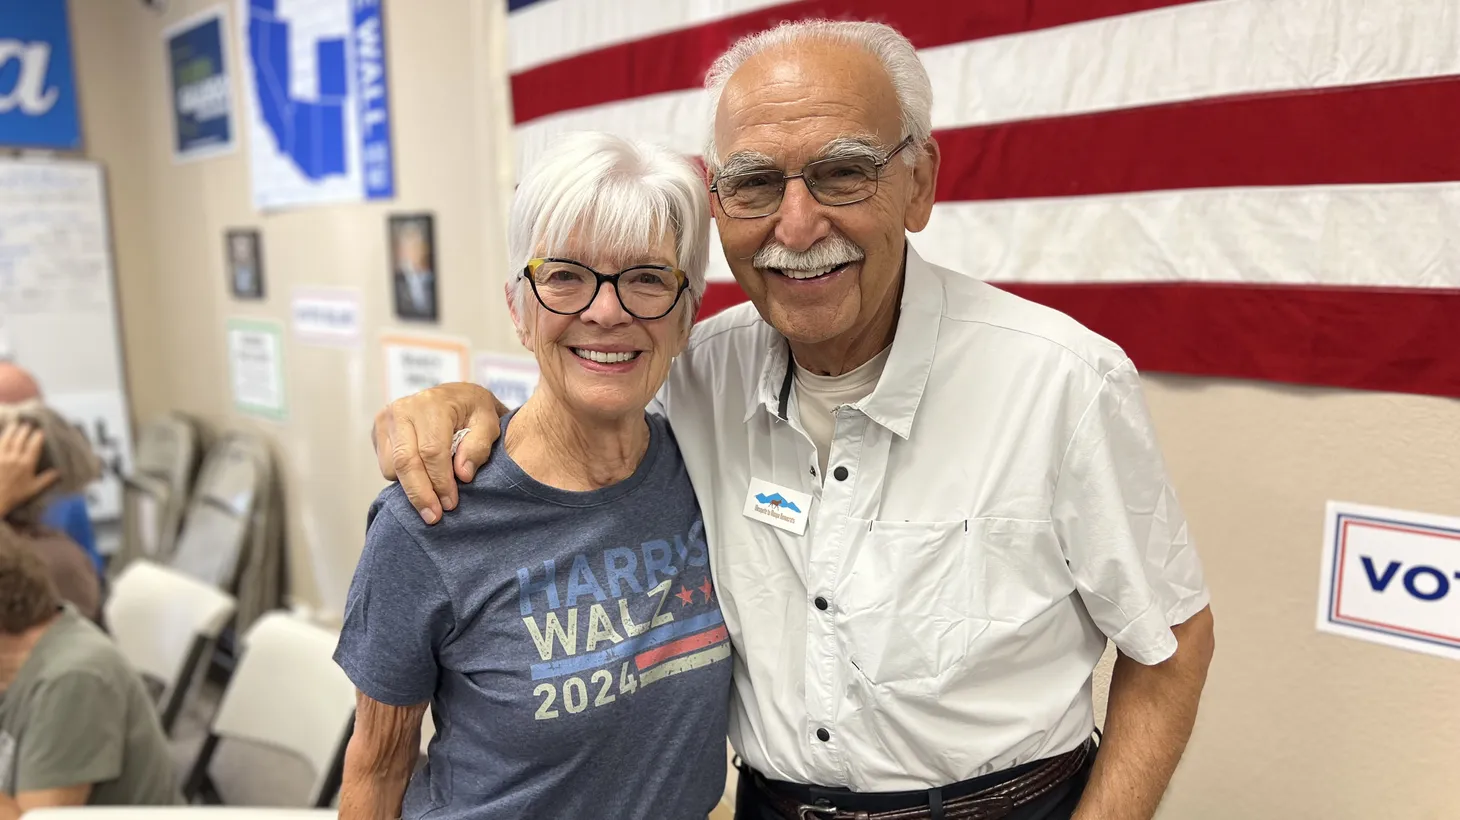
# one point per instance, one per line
(567, 287)
(835, 181)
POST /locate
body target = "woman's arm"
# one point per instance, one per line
(380, 758)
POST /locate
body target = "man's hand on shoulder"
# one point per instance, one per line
(413, 438)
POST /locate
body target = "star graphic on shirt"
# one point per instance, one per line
(708, 590)
(687, 596)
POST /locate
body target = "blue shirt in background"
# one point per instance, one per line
(570, 643)
(68, 514)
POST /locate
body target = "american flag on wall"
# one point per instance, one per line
(1263, 189)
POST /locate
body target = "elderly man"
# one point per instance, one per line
(77, 727)
(929, 504)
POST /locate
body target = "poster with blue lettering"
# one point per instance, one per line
(37, 81)
(202, 102)
(318, 116)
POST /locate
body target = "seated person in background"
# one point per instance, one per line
(76, 725)
(66, 511)
(572, 678)
(41, 457)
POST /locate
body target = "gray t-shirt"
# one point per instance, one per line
(77, 713)
(570, 643)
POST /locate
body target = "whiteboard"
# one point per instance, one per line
(58, 316)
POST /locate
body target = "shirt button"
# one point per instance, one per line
(823, 735)
(840, 473)
(821, 603)
(813, 471)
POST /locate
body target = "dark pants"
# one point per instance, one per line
(751, 804)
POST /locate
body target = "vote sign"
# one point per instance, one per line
(1392, 577)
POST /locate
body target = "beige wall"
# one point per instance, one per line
(169, 222)
(1294, 725)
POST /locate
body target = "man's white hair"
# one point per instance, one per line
(617, 196)
(894, 51)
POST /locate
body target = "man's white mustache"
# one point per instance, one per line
(828, 253)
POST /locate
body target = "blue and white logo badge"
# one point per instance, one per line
(319, 114)
(37, 82)
(778, 506)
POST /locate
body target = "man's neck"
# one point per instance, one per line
(553, 446)
(857, 346)
(15, 651)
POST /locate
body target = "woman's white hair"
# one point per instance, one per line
(615, 195)
(894, 51)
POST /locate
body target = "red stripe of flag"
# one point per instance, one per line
(1384, 133)
(677, 60)
(1399, 340)
(683, 646)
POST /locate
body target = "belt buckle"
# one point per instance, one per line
(807, 811)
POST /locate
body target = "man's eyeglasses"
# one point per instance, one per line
(834, 181)
(567, 288)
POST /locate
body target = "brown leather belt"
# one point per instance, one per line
(992, 803)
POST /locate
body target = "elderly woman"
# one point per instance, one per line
(43, 457)
(561, 623)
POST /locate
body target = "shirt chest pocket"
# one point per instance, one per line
(1023, 569)
(910, 602)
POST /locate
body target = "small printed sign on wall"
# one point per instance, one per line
(1391, 577)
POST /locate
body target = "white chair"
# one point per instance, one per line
(287, 693)
(166, 625)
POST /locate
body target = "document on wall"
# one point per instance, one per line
(510, 378)
(415, 363)
(256, 367)
(327, 316)
(1391, 577)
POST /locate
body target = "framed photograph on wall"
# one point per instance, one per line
(244, 263)
(413, 266)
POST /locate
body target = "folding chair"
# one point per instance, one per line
(232, 531)
(287, 693)
(164, 463)
(166, 625)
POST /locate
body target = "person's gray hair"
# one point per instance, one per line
(66, 450)
(616, 195)
(898, 56)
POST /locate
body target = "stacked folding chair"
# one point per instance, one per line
(165, 461)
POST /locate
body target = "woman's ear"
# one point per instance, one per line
(517, 323)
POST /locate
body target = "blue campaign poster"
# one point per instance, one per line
(202, 102)
(37, 81)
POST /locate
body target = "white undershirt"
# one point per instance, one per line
(818, 397)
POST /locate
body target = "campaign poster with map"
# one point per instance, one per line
(318, 112)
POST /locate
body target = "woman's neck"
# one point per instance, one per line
(559, 450)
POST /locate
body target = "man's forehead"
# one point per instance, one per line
(790, 104)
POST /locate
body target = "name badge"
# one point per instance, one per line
(778, 506)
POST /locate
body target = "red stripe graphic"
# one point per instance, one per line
(683, 646)
(1365, 134)
(1359, 338)
(676, 61)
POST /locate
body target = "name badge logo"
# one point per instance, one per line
(778, 506)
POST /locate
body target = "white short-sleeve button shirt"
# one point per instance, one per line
(992, 512)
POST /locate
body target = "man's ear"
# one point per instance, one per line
(925, 187)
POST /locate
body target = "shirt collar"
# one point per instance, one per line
(894, 401)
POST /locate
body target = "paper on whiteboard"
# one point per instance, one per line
(510, 378)
(1391, 577)
(413, 366)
